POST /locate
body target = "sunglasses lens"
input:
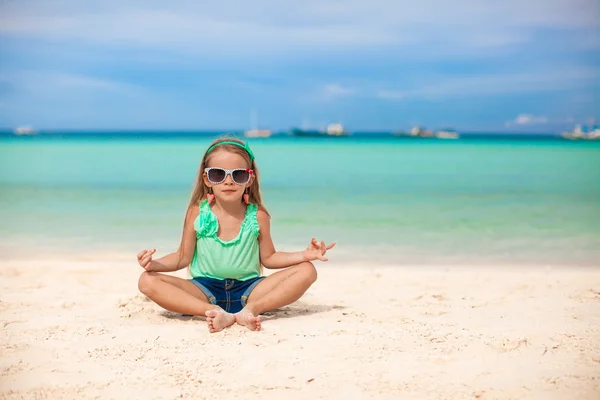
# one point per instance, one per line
(216, 175)
(240, 176)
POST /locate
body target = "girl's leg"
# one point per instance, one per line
(174, 294)
(182, 296)
(275, 291)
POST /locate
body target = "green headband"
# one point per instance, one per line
(243, 146)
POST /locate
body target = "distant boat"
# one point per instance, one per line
(258, 133)
(336, 130)
(255, 132)
(332, 130)
(307, 132)
(419, 132)
(591, 132)
(416, 131)
(24, 130)
(447, 134)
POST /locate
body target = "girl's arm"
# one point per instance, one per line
(273, 259)
(183, 256)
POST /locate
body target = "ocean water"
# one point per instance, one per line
(384, 200)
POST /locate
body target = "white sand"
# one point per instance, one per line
(79, 329)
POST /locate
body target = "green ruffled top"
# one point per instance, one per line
(234, 259)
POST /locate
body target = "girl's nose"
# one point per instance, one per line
(228, 179)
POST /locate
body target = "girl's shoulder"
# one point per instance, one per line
(262, 215)
(263, 220)
(192, 213)
(262, 212)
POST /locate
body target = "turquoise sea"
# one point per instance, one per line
(486, 201)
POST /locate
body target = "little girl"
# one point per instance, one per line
(226, 239)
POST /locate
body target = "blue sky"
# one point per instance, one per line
(530, 65)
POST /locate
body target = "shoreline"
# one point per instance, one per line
(345, 259)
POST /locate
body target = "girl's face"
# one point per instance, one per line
(228, 175)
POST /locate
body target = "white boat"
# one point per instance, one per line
(258, 133)
(420, 132)
(595, 134)
(336, 130)
(24, 130)
(255, 132)
(447, 134)
(591, 132)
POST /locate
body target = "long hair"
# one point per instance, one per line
(201, 190)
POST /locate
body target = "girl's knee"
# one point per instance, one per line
(309, 270)
(147, 281)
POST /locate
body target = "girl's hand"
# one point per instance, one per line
(145, 258)
(316, 250)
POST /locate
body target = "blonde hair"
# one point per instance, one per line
(201, 190)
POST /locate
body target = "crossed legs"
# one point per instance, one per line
(275, 291)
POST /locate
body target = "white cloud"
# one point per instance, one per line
(274, 27)
(335, 91)
(523, 120)
(76, 101)
(81, 81)
(61, 83)
(440, 87)
(528, 119)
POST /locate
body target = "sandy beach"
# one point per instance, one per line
(78, 328)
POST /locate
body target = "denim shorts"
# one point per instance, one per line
(229, 294)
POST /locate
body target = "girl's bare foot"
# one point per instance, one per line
(218, 319)
(248, 319)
